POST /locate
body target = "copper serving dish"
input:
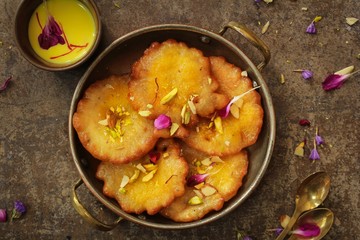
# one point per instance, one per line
(118, 58)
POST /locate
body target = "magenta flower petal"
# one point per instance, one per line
(334, 81)
(5, 84)
(306, 74)
(304, 122)
(3, 215)
(314, 155)
(51, 34)
(307, 230)
(162, 121)
(311, 28)
(196, 179)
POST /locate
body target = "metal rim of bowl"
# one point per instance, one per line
(268, 110)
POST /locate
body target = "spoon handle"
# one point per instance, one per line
(291, 223)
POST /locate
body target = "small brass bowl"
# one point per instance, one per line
(22, 19)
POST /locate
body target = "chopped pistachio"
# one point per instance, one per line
(282, 78)
(200, 185)
(109, 86)
(132, 98)
(187, 117)
(351, 20)
(304, 8)
(235, 111)
(216, 159)
(149, 176)
(169, 96)
(218, 125)
(317, 18)
(125, 180)
(208, 190)
(144, 113)
(103, 122)
(209, 80)
(239, 103)
(244, 73)
(346, 70)
(358, 56)
(135, 176)
(165, 155)
(149, 106)
(227, 143)
(299, 150)
(284, 220)
(122, 190)
(174, 128)
(196, 200)
(268, 1)
(141, 168)
(192, 106)
(149, 167)
(198, 193)
(206, 162)
(265, 27)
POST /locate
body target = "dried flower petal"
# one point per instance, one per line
(304, 122)
(314, 155)
(154, 156)
(18, 210)
(306, 74)
(351, 20)
(51, 34)
(311, 28)
(268, 1)
(282, 78)
(307, 230)
(346, 70)
(196, 179)
(162, 122)
(3, 215)
(318, 139)
(5, 84)
(317, 19)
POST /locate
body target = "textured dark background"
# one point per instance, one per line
(36, 164)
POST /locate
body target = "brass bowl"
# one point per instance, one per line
(22, 19)
(118, 59)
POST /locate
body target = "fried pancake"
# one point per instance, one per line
(168, 76)
(223, 177)
(107, 125)
(146, 191)
(235, 133)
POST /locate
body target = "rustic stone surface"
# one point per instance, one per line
(35, 160)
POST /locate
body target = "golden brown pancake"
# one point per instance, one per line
(168, 76)
(148, 191)
(107, 125)
(235, 133)
(223, 179)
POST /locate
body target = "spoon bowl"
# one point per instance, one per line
(322, 217)
(310, 194)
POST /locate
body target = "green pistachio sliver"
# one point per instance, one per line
(125, 180)
(103, 122)
(141, 168)
(244, 74)
(149, 106)
(134, 176)
(351, 20)
(187, 117)
(218, 125)
(149, 176)
(174, 128)
(169, 96)
(196, 200)
(144, 113)
(346, 70)
(265, 27)
(192, 106)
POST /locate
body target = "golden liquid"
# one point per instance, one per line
(78, 26)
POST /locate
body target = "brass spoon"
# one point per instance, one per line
(322, 217)
(310, 194)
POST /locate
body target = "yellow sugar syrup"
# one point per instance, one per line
(78, 30)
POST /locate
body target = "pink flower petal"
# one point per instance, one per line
(5, 84)
(162, 121)
(196, 179)
(307, 230)
(334, 81)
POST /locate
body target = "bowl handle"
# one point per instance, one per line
(86, 215)
(254, 40)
